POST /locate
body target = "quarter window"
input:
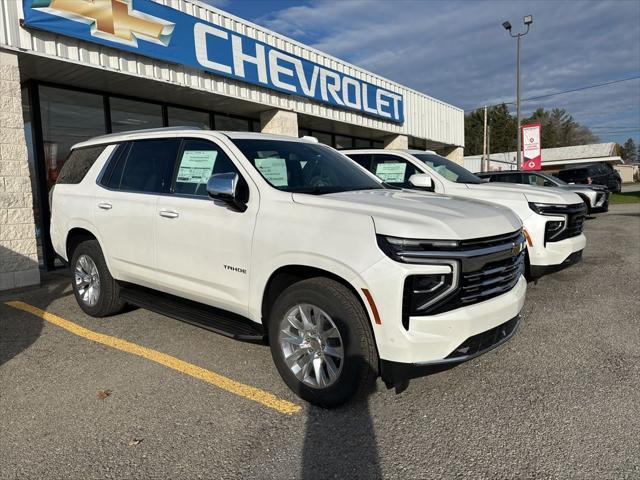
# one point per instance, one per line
(78, 164)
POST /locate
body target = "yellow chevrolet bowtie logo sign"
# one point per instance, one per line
(113, 20)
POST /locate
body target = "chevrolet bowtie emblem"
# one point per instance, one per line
(113, 20)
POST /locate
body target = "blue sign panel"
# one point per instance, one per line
(148, 28)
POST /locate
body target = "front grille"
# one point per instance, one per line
(493, 280)
(575, 221)
(490, 241)
(575, 226)
(487, 267)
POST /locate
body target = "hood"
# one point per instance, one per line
(532, 193)
(410, 214)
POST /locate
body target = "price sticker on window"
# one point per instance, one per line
(274, 169)
(196, 166)
(391, 172)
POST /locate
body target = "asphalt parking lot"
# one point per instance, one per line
(560, 400)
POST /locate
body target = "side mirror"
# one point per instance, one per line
(224, 187)
(421, 181)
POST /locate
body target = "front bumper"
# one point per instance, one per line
(537, 271)
(395, 373)
(429, 337)
(550, 253)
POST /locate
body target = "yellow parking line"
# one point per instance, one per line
(257, 395)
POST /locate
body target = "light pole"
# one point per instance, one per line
(528, 20)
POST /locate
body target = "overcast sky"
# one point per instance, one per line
(457, 51)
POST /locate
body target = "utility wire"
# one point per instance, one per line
(579, 89)
(620, 127)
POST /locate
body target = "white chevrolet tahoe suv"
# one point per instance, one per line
(264, 237)
(552, 218)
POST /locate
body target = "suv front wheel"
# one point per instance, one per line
(95, 289)
(321, 342)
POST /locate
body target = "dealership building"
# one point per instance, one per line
(74, 69)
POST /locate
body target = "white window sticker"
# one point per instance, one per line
(274, 169)
(196, 166)
(391, 172)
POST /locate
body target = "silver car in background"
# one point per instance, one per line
(596, 197)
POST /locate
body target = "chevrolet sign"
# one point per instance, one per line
(153, 30)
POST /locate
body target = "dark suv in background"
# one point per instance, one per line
(597, 173)
(595, 197)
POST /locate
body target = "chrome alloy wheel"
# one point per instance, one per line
(311, 345)
(87, 280)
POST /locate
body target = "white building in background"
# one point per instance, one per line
(71, 70)
(553, 159)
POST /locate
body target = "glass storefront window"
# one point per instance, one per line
(362, 143)
(28, 135)
(68, 117)
(323, 138)
(133, 115)
(189, 118)
(232, 124)
(344, 142)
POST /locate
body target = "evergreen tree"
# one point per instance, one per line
(503, 130)
(559, 129)
(629, 151)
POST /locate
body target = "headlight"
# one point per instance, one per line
(549, 208)
(400, 249)
(422, 292)
(554, 228)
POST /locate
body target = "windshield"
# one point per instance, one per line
(302, 167)
(448, 169)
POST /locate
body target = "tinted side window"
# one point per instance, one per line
(362, 159)
(533, 179)
(113, 172)
(199, 160)
(509, 178)
(149, 165)
(392, 169)
(78, 164)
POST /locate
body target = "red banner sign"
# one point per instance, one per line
(531, 147)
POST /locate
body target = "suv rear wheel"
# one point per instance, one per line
(95, 289)
(321, 342)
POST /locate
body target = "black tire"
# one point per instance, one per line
(108, 302)
(360, 368)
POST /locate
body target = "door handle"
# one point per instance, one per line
(105, 206)
(169, 214)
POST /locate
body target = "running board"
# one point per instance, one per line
(219, 321)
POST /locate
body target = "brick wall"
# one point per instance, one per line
(18, 250)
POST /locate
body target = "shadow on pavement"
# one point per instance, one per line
(340, 443)
(18, 331)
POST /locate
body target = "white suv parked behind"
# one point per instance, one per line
(552, 218)
(257, 236)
